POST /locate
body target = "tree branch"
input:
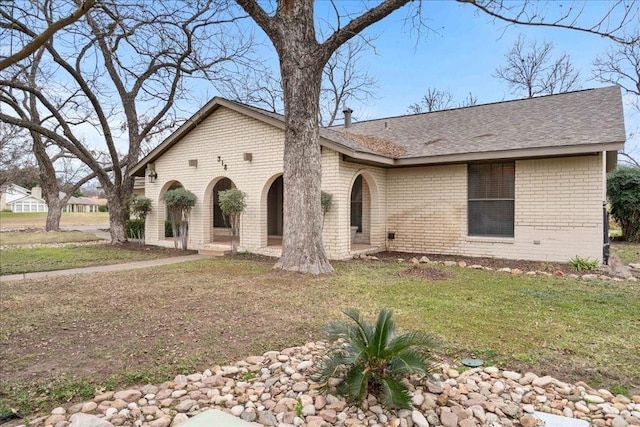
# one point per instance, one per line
(43, 37)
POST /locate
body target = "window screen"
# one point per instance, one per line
(491, 193)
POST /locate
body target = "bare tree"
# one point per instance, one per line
(344, 80)
(620, 65)
(120, 70)
(26, 108)
(436, 100)
(15, 155)
(531, 69)
(292, 30)
(433, 100)
(38, 40)
(469, 101)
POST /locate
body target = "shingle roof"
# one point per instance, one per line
(584, 117)
(565, 124)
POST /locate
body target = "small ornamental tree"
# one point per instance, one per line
(623, 189)
(179, 203)
(139, 207)
(232, 205)
(326, 201)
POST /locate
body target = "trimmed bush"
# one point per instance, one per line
(135, 228)
(623, 189)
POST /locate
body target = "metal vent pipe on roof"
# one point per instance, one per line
(347, 116)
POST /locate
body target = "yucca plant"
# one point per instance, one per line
(372, 359)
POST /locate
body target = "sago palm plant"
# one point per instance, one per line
(372, 359)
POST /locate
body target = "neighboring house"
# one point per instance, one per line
(521, 179)
(19, 199)
(80, 204)
(11, 192)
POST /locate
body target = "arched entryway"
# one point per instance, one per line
(275, 217)
(220, 229)
(360, 211)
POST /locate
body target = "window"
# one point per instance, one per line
(491, 193)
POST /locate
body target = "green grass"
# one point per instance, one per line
(38, 219)
(627, 252)
(47, 258)
(525, 319)
(191, 316)
(28, 238)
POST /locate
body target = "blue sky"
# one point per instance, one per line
(459, 54)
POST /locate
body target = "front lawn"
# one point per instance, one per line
(15, 238)
(629, 253)
(67, 335)
(47, 258)
(10, 220)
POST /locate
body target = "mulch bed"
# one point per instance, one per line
(495, 263)
(137, 247)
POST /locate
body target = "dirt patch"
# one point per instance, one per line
(428, 273)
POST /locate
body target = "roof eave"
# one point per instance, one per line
(357, 155)
(570, 150)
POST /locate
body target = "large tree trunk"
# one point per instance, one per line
(118, 215)
(54, 213)
(49, 184)
(302, 246)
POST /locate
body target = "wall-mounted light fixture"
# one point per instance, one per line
(152, 176)
(222, 163)
(248, 157)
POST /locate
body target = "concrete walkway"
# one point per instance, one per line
(103, 268)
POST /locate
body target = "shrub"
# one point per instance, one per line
(623, 188)
(139, 206)
(326, 202)
(103, 208)
(583, 264)
(135, 228)
(372, 359)
(168, 230)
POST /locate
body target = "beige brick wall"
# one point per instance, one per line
(226, 134)
(337, 179)
(558, 211)
(229, 134)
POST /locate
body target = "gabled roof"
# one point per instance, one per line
(571, 123)
(26, 197)
(15, 187)
(328, 137)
